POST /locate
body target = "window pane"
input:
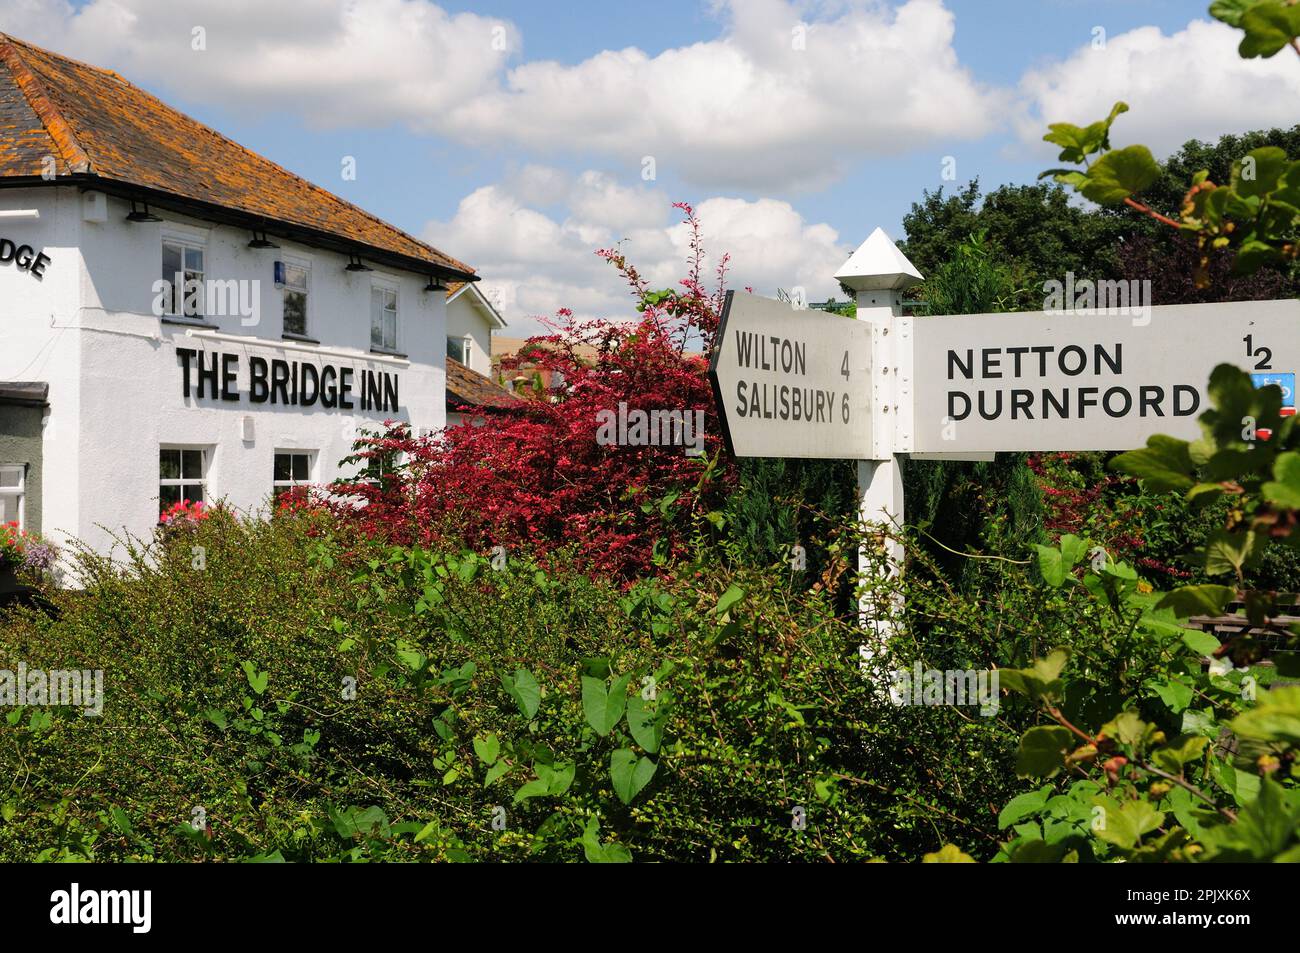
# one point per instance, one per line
(193, 259)
(168, 496)
(300, 461)
(169, 464)
(376, 319)
(282, 467)
(456, 349)
(11, 477)
(192, 461)
(390, 330)
(295, 312)
(193, 296)
(194, 492)
(295, 276)
(171, 260)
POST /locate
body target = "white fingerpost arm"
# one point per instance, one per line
(878, 273)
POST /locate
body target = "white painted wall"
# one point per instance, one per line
(115, 377)
(465, 318)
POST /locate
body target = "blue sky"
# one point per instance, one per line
(522, 160)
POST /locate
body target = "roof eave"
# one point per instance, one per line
(291, 231)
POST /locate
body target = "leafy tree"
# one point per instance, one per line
(956, 503)
(1255, 211)
(1033, 230)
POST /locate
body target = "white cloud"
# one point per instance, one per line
(787, 94)
(534, 264)
(1190, 84)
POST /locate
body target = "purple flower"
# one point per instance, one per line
(38, 556)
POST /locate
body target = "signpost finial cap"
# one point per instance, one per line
(878, 265)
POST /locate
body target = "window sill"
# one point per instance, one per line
(301, 338)
(387, 353)
(189, 322)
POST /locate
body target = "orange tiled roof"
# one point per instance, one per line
(467, 387)
(109, 133)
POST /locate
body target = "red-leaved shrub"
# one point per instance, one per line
(534, 475)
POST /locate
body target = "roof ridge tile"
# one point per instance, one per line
(60, 132)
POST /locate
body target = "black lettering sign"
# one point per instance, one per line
(24, 257)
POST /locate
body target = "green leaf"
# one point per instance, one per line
(1022, 806)
(729, 598)
(1228, 551)
(1124, 825)
(495, 772)
(1163, 464)
(1231, 11)
(488, 749)
(1120, 173)
(628, 774)
(1265, 828)
(1041, 680)
(1038, 851)
(525, 691)
(1042, 751)
(603, 708)
(1188, 601)
(1180, 751)
(598, 853)
(1077, 143)
(1270, 27)
(647, 724)
(1200, 642)
(1275, 717)
(1173, 693)
(551, 780)
(1258, 173)
(1283, 490)
(121, 820)
(1052, 565)
(1128, 728)
(410, 656)
(256, 680)
(948, 854)
(1203, 494)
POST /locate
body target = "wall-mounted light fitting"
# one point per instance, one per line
(142, 216)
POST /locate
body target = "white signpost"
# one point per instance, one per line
(1088, 380)
(791, 383)
(806, 384)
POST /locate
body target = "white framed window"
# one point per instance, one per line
(385, 464)
(459, 348)
(296, 281)
(182, 475)
(292, 468)
(183, 270)
(383, 318)
(13, 485)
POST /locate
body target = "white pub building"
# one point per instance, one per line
(183, 319)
